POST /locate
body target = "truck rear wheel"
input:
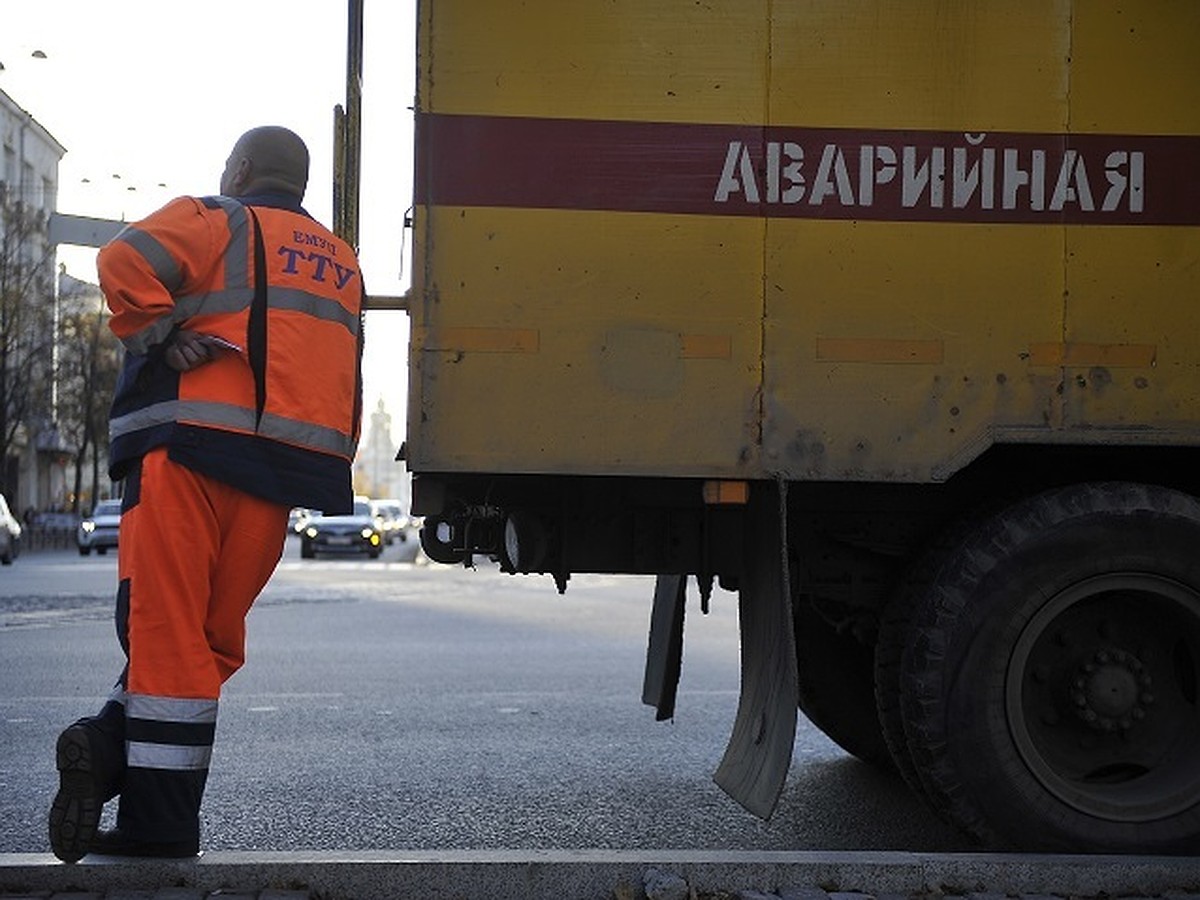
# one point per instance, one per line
(1050, 695)
(894, 640)
(837, 687)
(897, 638)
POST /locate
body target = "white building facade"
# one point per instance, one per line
(33, 471)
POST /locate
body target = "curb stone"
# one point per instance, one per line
(603, 875)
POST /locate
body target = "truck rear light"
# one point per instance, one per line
(721, 493)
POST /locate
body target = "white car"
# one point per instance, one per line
(99, 530)
(10, 534)
(392, 521)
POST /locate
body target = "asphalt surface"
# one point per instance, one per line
(386, 706)
(604, 821)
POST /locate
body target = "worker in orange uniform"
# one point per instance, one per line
(239, 399)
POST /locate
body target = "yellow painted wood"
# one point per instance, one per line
(591, 341)
(477, 340)
(939, 288)
(619, 374)
(583, 59)
(1135, 67)
(976, 65)
(879, 350)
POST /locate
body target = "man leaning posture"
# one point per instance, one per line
(240, 398)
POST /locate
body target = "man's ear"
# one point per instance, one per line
(241, 175)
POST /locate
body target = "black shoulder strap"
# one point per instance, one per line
(256, 332)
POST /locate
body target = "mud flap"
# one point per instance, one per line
(755, 766)
(664, 655)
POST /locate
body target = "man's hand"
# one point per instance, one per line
(190, 349)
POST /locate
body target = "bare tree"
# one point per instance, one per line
(26, 330)
(89, 361)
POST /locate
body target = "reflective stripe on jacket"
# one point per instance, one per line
(278, 416)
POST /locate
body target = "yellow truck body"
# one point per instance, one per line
(898, 301)
(886, 264)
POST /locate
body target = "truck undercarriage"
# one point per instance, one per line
(1024, 637)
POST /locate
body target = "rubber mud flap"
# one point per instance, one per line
(756, 761)
(664, 654)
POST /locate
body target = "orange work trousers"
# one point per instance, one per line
(193, 555)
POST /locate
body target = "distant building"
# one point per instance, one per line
(83, 300)
(34, 454)
(377, 473)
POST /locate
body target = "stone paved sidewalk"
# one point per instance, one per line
(172, 893)
(654, 888)
(606, 875)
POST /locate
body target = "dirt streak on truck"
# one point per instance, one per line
(883, 315)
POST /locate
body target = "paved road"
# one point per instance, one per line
(390, 705)
(399, 724)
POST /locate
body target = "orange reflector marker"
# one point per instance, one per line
(477, 340)
(705, 346)
(726, 492)
(1075, 353)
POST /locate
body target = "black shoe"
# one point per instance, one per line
(75, 812)
(114, 843)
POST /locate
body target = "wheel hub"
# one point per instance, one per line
(1111, 691)
(1111, 731)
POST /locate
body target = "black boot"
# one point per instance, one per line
(115, 843)
(89, 773)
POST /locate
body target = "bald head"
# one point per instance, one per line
(266, 159)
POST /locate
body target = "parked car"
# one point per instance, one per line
(392, 520)
(10, 534)
(99, 530)
(358, 532)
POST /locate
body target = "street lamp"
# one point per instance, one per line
(36, 54)
(116, 190)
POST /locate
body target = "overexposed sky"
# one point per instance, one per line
(148, 97)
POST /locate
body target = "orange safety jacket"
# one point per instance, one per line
(278, 413)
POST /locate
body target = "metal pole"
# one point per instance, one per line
(339, 171)
(352, 123)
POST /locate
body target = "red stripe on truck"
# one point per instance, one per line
(811, 173)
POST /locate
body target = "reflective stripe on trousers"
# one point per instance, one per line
(168, 746)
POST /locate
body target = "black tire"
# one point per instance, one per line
(894, 639)
(306, 549)
(837, 687)
(1049, 698)
(85, 551)
(102, 550)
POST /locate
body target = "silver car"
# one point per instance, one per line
(99, 530)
